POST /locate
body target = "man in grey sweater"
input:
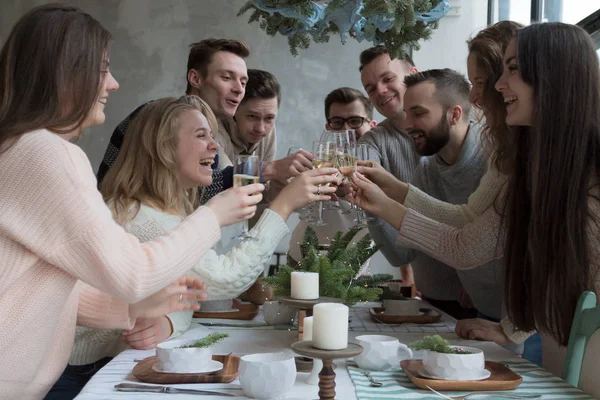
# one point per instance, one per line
(437, 107)
(389, 144)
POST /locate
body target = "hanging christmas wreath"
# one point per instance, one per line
(398, 24)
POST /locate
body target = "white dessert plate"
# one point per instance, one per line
(483, 374)
(212, 366)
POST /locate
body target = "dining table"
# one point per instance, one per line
(250, 337)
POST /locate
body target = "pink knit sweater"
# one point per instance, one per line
(55, 230)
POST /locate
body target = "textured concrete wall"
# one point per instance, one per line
(149, 55)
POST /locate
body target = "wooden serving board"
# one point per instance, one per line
(144, 372)
(429, 316)
(246, 312)
(502, 378)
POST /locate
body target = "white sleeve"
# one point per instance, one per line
(229, 275)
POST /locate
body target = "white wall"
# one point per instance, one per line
(447, 47)
(150, 47)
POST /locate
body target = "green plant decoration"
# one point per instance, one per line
(397, 24)
(436, 343)
(207, 341)
(337, 269)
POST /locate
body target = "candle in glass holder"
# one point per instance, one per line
(330, 326)
(305, 285)
(308, 328)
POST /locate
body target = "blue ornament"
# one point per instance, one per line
(347, 19)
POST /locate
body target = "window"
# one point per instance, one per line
(569, 11)
(513, 10)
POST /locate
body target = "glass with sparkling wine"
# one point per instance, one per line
(246, 172)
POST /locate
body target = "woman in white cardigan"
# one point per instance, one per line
(166, 156)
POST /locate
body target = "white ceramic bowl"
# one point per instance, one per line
(173, 359)
(402, 307)
(276, 313)
(381, 352)
(216, 305)
(460, 367)
(268, 375)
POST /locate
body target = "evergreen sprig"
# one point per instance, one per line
(436, 343)
(406, 32)
(338, 268)
(207, 341)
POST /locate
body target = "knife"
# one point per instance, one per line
(133, 387)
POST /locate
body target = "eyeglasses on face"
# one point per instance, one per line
(353, 122)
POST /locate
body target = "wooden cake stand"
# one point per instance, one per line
(327, 375)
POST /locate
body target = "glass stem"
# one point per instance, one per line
(320, 221)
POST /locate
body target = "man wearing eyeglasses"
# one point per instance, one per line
(345, 108)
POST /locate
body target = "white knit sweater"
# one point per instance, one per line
(226, 276)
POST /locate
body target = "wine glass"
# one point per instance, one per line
(342, 141)
(324, 154)
(246, 172)
(363, 154)
(304, 213)
(346, 160)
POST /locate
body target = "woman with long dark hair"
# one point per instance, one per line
(546, 222)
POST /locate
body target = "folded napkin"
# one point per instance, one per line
(397, 385)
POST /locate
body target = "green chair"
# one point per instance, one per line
(582, 364)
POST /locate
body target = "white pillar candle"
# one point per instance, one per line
(305, 285)
(330, 326)
(307, 333)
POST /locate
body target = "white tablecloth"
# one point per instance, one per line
(249, 341)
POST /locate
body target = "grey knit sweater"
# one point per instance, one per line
(395, 151)
(453, 184)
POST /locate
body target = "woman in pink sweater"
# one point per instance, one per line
(58, 240)
(546, 223)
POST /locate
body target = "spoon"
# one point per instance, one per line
(374, 383)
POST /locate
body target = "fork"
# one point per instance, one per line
(483, 394)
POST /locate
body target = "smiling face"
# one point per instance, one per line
(426, 119)
(478, 78)
(256, 117)
(383, 80)
(224, 85)
(196, 150)
(518, 95)
(108, 84)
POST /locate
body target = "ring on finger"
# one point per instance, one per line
(181, 298)
(318, 190)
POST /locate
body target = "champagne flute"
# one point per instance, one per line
(334, 137)
(246, 172)
(346, 160)
(324, 154)
(363, 154)
(305, 213)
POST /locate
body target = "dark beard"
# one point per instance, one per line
(436, 139)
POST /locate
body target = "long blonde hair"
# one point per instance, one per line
(146, 170)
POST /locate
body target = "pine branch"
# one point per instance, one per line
(207, 341)
(310, 240)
